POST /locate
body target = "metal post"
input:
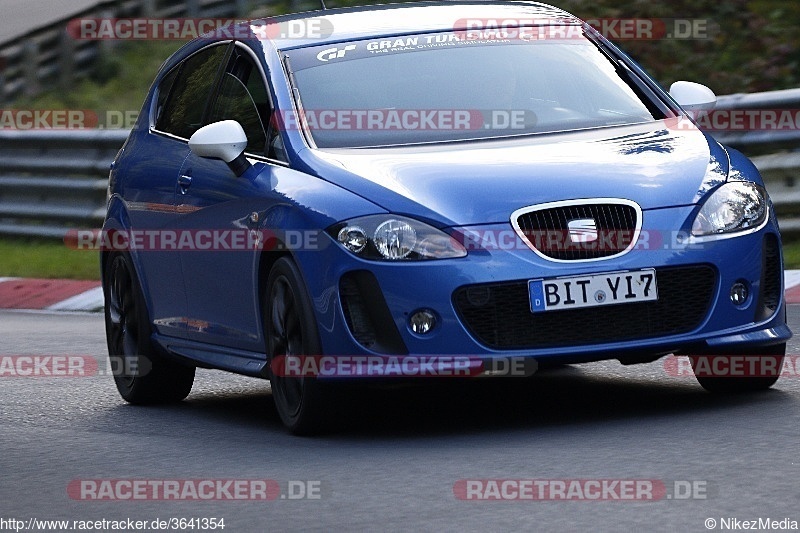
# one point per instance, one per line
(30, 66)
(66, 58)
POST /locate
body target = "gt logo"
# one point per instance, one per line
(334, 53)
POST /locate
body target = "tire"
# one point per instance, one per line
(142, 374)
(290, 328)
(773, 360)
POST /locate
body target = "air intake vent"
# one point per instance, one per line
(770, 294)
(367, 315)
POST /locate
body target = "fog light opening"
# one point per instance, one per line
(739, 293)
(422, 321)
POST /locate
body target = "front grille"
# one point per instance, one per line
(499, 315)
(770, 295)
(547, 230)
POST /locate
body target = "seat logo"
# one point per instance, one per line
(334, 53)
(582, 230)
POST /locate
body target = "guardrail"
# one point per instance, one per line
(777, 139)
(54, 180)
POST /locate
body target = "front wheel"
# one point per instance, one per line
(290, 328)
(742, 370)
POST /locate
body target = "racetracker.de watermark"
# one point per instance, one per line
(400, 366)
(38, 366)
(613, 28)
(207, 489)
(172, 29)
(318, 28)
(405, 119)
(71, 366)
(48, 119)
(66, 119)
(732, 120)
(732, 366)
(247, 240)
(503, 121)
(202, 240)
(597, 489)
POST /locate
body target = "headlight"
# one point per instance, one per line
(395, 238)
(734, 207)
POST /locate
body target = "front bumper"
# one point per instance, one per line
(392, 292)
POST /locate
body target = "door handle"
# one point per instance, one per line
(184, 182)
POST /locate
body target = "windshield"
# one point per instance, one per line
(442, 87)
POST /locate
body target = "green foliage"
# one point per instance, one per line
(755, 47)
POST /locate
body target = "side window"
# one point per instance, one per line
(235, 102)
(183, 112)
(243, 97)
(163, 92)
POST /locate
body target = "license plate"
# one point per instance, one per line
(592, 291)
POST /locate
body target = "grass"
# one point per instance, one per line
(39, 258)
(50, 259)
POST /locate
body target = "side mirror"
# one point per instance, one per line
(224, 140)
(693, 97)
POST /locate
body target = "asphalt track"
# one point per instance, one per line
(403, 456)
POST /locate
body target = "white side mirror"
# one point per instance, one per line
(693, 97)
(224, 140)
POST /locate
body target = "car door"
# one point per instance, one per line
(220, 212)
(181, 97)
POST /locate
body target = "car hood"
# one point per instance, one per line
(658, 164)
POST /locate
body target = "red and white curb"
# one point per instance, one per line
(50, 294)
(71, 295)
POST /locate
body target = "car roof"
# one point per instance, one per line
(417, 17)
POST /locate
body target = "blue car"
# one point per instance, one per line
(340, 194)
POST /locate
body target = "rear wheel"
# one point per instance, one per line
(290, 328)
(757, 369)
(141, 373)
